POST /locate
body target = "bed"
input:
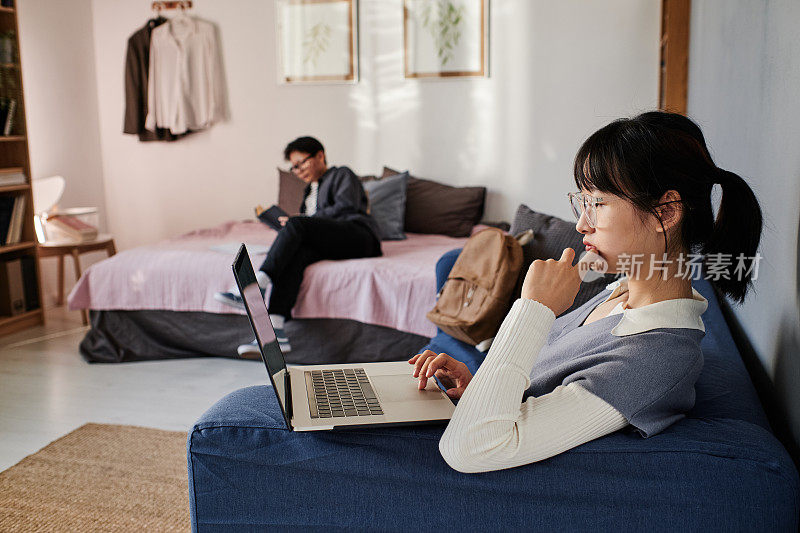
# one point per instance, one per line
(156, 302)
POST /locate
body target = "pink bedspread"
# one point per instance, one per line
(182, 274)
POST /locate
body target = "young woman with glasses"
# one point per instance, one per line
(630, 356)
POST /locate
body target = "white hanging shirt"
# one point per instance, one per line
(185, 84)
(311, 199)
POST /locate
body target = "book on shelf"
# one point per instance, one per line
(14, 235)
(9, 122)
(6, 210)
(30, 284)
(5, 103)
(8, 237)
(12, 219)
(12, 176)
(12, 288)
(3, 110)
(19, 221)
(70, 226)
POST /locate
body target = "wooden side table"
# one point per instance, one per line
(60, 249)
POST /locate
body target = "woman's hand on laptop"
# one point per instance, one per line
(454, 375)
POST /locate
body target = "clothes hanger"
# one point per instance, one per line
(182, 15)
(153, 22)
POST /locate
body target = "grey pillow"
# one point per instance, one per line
(550, 236)
(387, 205)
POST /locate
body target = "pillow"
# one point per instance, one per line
(387, 204)
(433, 207)
(550, 236)
(291, 190)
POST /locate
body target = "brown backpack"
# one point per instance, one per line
(477, 294)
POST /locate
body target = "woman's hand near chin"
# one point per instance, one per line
(553, 283)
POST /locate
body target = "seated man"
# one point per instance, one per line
(334, 224)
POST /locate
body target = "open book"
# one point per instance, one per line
(270, 217)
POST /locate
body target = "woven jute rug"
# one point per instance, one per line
(100, 478)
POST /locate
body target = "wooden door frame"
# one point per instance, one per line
(674, 67)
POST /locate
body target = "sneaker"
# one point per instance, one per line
(229, 298)
(281, 336)
(283, 340)
(251, 349)
(233, 298)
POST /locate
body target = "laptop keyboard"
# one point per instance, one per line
(341, 393)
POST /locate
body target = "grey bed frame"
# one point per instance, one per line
(123, 336)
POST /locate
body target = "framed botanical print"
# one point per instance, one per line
(445, 38)
(317, 40)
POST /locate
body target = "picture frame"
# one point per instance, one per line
(317, 41)
(445, 38)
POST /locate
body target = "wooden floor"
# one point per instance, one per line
(47, 389)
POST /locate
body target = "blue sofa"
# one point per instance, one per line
(719, 469)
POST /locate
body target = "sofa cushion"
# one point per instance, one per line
(247, 473)
(387, 204)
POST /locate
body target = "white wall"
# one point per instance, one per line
(743, 80)
(559, 70)
(743, 85)
(58, 69)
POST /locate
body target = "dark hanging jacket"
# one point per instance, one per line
(137, 63)
(341, 197)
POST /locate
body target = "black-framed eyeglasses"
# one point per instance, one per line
(294, 168)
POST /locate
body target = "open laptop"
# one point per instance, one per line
(318, 397)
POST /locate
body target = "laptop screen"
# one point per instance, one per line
(259, 319)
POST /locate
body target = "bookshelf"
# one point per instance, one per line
(14, 156)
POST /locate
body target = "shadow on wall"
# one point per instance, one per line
(787, 361)
(779, 394)
(787, 373)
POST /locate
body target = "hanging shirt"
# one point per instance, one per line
(185, 85)
(311, 199)
(137, 64)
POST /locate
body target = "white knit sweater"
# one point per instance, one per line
(491, 430)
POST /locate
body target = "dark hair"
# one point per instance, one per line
(307, 145)
(643, 157)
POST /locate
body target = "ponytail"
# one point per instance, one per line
(736, 233)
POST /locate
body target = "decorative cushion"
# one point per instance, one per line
(433, 207)
(291, 190)
(387, 204)
(550, 236)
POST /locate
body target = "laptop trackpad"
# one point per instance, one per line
(402, 388)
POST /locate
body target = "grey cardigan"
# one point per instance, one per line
(649, 377)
